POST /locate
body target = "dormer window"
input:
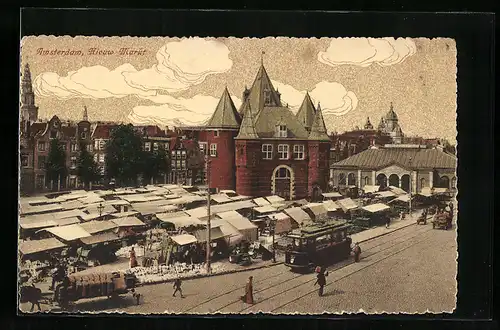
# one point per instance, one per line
(267, 97)
(83, 135)
(281, 131)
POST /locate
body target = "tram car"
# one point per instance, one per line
(319, 244)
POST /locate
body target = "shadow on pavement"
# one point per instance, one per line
(104, 304)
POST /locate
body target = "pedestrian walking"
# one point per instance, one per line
(248, 297)
(321, 280)
(357, 252)
(177, 287)
(133, 258)
(388, 221)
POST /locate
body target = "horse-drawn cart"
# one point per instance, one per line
(76, 287)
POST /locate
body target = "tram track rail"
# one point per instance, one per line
(389, 239)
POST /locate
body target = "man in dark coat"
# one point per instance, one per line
(321, 280)
(177, 287)
(357, 252)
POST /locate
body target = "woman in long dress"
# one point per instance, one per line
(133, 258)
(248, 297)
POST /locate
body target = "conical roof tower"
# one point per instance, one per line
(306, 112)
(225, 114)
(318, 129)
(247, 128)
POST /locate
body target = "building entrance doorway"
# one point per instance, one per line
(282, 182)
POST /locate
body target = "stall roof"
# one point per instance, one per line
(240, 223)
(147, 209)
(152, 198)
(316, 208)
(230, 214)
(66, 221)
(90, 199)
(41, 245)
(330, 205)
(239, 198)
(37, 221)
(215, 233)
(278, 216)
(300, 202)
(180, 221)
(219, 198)
(265, 209)
(93, 227)
(386, 194)
(331, 194)
(100, 238)
(104, 192)
(373, 208)
(92, 216)
(347, 204)
(28, 209)
(426, 191)
(402, 198)
(440, 190)
(397, 190)
(166, 215)
(298, 214)
(233, 206)
(94, 208)
(124, 214)
(71, 205)
(136, 198)
(227, 229)
(69, 233)
(185, 199)
(184, 239)
(369, 189)
(261, 201)
(275, 199)
(128, 222)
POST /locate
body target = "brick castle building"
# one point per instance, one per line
(264, 148)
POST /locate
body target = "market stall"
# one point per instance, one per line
(244, 226)
(332, 196)
(298, 215)
(375, 214)
(42, 249)
(316, 211)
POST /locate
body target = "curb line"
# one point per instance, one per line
(232, 271)
(387, 232)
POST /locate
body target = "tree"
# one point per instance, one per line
(87, 170)
(124, 155)
(154, 164)
(55, 167)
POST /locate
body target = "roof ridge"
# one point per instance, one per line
(223, 117)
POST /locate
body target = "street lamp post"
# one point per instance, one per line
(271, 224)
(209, 238)
(100, 208)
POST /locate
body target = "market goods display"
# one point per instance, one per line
(148, 275)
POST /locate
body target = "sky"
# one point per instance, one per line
(178, 81)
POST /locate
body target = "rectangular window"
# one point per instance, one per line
(101, 158)
(203, 147)
(41, 162)
(178, 164)
(24, 160)
(183, 154)
(298, 152)
(89, 148)
(283, 151)
(281, 131)
(155, 146)
(96, 158)
(96, 144)
(213, 150)
(74, 146)
(73, 161)
(41, 146)
(216, 133)
(267, 151)
(102, 144)
(173, 153)
(183, 164)
(147, 146)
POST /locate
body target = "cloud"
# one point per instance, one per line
(335, 99)
(181, 64)
(367, 51)
(173, 111)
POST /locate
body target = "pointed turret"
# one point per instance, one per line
(262, 93)
(391, 115)
(318, 129)
(247, 128)
(306, 112)
(225, 114)
(85, 116)
(381, 124)
(29, 111)
(368, 124)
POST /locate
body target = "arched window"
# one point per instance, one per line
(382, 180)
(283, 173)
(342, 179)
(351, 179)
(454, 182)
(367, 180)
(444, 182)
(423, 183)
(394, 180)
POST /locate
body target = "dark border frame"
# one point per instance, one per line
(474, 34)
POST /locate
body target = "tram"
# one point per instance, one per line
(318, 244)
